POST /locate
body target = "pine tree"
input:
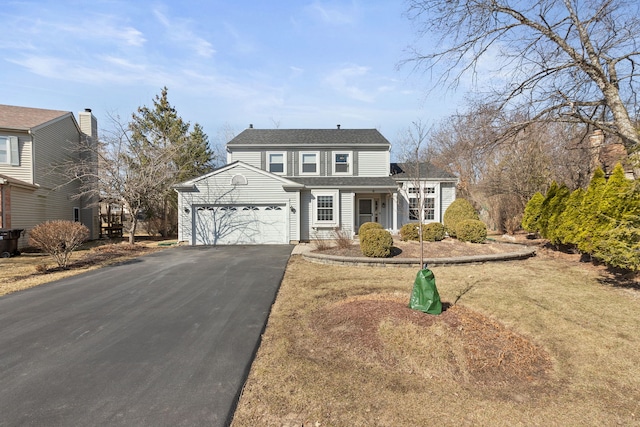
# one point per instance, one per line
(160, 129)
(194, 157)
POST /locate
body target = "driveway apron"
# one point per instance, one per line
(164, 340)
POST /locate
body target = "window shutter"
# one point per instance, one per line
(15, 153)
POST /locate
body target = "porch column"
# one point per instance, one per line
(395, 212)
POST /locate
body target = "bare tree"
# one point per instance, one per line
(118, 169)
(499, 178)
(412, 155)
(562, 60)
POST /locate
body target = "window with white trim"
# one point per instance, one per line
(325, 208)
(342, 162)
(309, 163)
(428, 203)
(276, 163)
(9, 154)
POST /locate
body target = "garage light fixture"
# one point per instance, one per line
(186, 210)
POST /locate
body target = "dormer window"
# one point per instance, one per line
(309, 163)
(342, 163)
(276, 163)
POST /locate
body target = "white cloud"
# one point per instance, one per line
(341, 80)
(179, 30)
(331, 15)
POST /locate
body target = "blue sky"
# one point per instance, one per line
(287, 64)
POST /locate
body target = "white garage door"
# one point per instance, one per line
(240, 224)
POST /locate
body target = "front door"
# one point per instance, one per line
(365, 211)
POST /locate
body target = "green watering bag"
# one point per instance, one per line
(424, 296)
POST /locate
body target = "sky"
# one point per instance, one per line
(227, 64)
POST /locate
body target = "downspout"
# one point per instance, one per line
(2, 203)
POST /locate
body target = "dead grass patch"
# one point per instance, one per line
(533, 342)
(33, 269)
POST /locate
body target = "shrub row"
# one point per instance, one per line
(431, 232)
(603, 221)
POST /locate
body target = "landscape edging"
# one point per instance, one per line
(415, 262)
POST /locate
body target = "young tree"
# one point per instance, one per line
(566, 60)
(413, 158)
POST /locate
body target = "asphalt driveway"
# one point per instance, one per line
(165, 340)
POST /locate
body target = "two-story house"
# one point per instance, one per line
(32, 142)
(291, 185)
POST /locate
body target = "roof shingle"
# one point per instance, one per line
(25, 118)
(309, 137)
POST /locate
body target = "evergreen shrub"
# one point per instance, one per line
(410, 231)
(459, 210)
(471, 230)
(433, 232)
(376, 243)
(368, 226)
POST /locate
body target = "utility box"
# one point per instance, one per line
(9, 241)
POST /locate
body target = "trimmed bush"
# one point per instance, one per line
(58, 239)
(433, 232)
(409, 231)
(376, 243)
(459, 210)
(369, 226)
(471, 230)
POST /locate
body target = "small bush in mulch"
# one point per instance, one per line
(376, 243)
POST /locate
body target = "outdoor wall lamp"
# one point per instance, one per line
(186, 210)
(292, 209)
(383, 205)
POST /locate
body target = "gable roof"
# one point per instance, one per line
(406, 171)
(252, 136)
(190, 184)
(25, 118)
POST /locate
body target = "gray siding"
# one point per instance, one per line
(216, 190)
(447, 195)
(253, 158)
(373, 163)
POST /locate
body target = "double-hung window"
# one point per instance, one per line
(276, 163)
(342, 163)
(428, 203)
(325, 208)
(9, 154)
(309, 163)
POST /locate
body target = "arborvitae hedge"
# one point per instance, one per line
(603, 221)
(532, 213)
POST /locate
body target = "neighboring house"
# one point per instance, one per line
(32, 142)
(290, 185)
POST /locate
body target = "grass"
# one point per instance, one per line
(534, 342)
(34, 269)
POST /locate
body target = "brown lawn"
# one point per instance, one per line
(543, 341)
